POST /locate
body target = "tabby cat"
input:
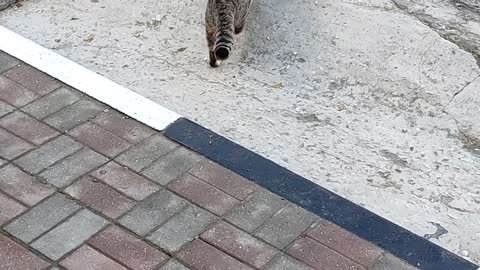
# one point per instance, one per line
(223, 18)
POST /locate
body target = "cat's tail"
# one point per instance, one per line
(224, 38)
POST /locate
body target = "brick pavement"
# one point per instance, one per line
(84, 187)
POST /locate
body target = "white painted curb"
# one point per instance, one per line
(86, 81)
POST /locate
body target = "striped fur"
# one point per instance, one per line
(223, 19)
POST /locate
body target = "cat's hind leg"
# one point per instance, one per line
(239, 25)
(211, 33)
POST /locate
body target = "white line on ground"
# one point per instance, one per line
(87, 81)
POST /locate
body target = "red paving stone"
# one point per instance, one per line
(203, 194)
(200, 255)
(126, 181)
(9, 209)
(22, 186)
(32, 79)
(239, 244)
(127, 249)
(88, 258)
(346, 243)
(100, 197)
(99, 139)
(321, 257)
(224, 179)
(15, 257)
(28, 128)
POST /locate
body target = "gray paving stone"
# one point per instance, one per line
(12, 146)
(172, 165)
(182, 228)
(173, 265)
(6, 61)
(42, 217)
(52, 103)
(66, 171)
(69, 235)
(5, 108)
(48, 154)
(74, 115)
(390, 262)
(285, 226)
(123, 126)
(142, 155)
(153, 212)
(23, 186)
(285, 262)
(256, 210)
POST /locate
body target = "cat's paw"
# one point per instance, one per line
(214, 63)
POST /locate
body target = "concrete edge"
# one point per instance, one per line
(92, 84)
(411, 248)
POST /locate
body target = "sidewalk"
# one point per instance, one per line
(84, 187)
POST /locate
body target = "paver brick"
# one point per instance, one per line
(47, 154)
(32, 79)
(7, 62)
(252, 213)
(345, 243)
(123, 126)
(390, 262)
(42, 217)
(152, 212)
(285, 262)
(173, 265)
(181, 229)
(73, 115)
(12, 146)
(172, 165)
(200, 255)
(88, 258)
(285, 226)
(22, 186)
(239, 244)
(28, 128)
(15, 94)
(204, 195)
(127, 249)
(100, 197)
(125, 181)
(99, 139)
(67, 170)
(14, 257)
(69, 235)
(321, 257)
(224, 179)
(5, 108)
(9, 209)
(52, 103)
(145, 153)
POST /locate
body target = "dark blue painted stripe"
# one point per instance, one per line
(400, 242)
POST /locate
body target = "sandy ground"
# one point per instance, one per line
(376, 100)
